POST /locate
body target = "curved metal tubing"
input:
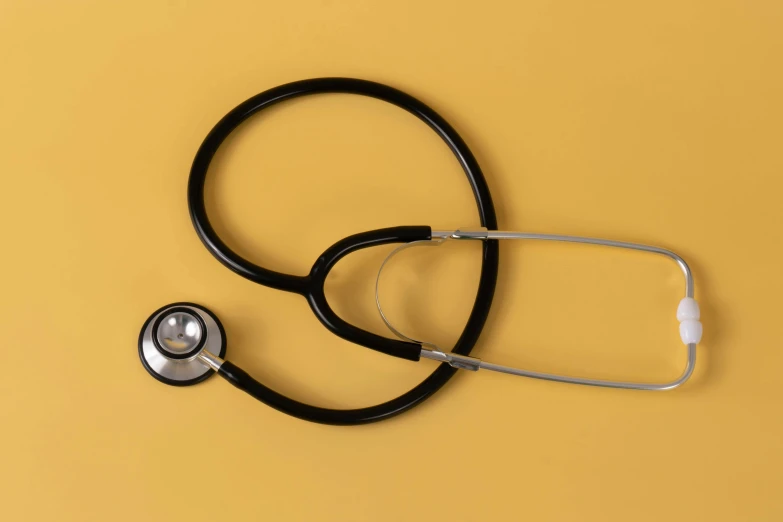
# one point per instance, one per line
(430, 351)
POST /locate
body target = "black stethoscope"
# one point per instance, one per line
(184, 343)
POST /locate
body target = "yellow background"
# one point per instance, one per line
(655, 122)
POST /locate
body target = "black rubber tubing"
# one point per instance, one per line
(311, 286)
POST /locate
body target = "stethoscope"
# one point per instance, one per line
(184, 343)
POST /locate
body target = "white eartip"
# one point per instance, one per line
(688, 309)
(690, 331)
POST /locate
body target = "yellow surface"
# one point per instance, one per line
(656, 122)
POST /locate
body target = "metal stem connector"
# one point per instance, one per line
(209, 359)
